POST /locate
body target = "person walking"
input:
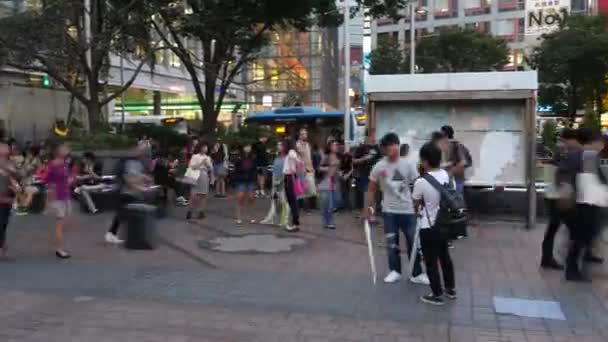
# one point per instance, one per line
(131, 183)
(279, 208)
(427, 200)
(8, 188)
(568, 143)
(219, 157)
(58, 182)
(394, 175)
(245, 173)
(329, 167)
(200, 166)
(290, 170)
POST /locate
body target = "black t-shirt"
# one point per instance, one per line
(245, 170)
(261, 154)
(364, 169)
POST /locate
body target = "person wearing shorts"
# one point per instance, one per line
(245, 183)
(59, 196)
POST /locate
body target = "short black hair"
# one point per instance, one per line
(569, 134)
(431, 154)
(389, 139)
(585, 135)
(404, 150)
(448, 131)
(436, 136)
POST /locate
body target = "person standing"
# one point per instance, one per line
(427, 200)
(262, 160)
(328, 168)
(458, 157)
(290, 171)
(394, 175)
(305, 154)
(364, 158)
(245, 173)
(279, 208)
(7, 194)
(568, 143)
(131, 179)
(219, 158)
(346, 174)
(200, 165)
(59, 195)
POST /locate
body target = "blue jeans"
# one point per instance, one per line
(393, 224)
(328, 204)
(459, 186)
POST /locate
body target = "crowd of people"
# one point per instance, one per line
(380, 178)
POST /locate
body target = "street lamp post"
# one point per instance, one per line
(412, 37)
(346, 75)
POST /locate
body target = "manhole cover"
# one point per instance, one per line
(253, 243)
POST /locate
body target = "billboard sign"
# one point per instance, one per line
(545, 16)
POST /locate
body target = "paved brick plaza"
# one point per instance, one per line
(319, 289)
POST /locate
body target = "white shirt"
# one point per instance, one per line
(198, 163)
(394, 179)
(291, 163)
(431, 197)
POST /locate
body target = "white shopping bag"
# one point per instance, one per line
(370, 249)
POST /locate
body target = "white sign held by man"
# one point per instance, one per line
(545, 16)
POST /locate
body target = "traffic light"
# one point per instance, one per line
(46, 81)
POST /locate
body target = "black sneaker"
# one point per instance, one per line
(189, 215)
(577, 277)
(450, 294)
(593, 259)
(432, 299)
(201, 215)
(330, 227)
(551, 264)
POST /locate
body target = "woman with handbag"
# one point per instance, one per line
(198, 175)
(293, 185)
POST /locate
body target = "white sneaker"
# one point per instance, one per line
(421, 279)
(392, 277)
(111, 238)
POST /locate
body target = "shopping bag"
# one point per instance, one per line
(298, 188)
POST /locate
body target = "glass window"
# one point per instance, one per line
(510, 5)
(505, 28)
(174, 60)
(446, 9)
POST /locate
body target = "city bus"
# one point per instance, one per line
(288, 120)
(178, 124)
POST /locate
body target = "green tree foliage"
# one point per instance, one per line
(232, 34)
(550, 134)
(51, 39)
(386, 58)
(461, 50)
(592, 120)
(572, 64)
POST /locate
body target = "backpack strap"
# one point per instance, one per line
(435, 184)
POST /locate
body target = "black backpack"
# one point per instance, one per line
(462, 152)
(452, 208)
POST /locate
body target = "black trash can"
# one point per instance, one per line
(141, 226)
(39, 200)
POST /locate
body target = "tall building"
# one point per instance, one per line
(501, 18)
(30, 103)
(296, 68)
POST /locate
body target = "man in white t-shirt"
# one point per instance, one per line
(427, 200)
(394, 176)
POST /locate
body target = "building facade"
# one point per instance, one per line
(296, 68)
(29, 106)
(501, 18)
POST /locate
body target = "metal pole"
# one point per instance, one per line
(87, 40)
(347, 118)
(413, 38)
(122, 95)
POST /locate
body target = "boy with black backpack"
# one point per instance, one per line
(438, 206)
